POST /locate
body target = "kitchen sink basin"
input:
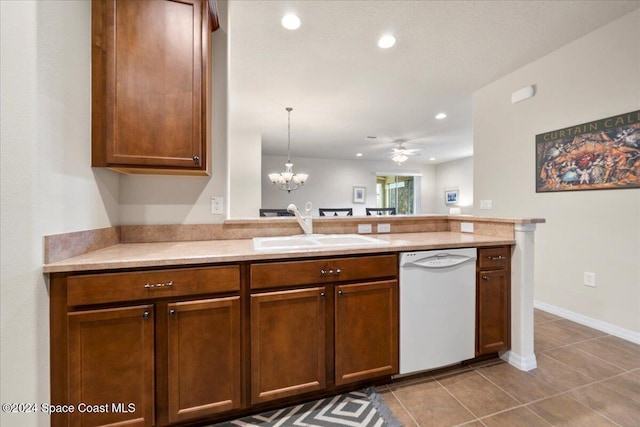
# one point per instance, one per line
(313, 241)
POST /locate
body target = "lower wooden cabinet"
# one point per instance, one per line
(287, 343)
(366, 331)
(203, 357)
(169, 355)
(493, 297)
(111, 367)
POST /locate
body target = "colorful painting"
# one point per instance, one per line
(603, 154)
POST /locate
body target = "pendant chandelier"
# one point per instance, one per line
(287, 180)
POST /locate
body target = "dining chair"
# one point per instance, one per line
(336, 211)
(381, 211)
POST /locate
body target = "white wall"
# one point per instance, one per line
(48, 186)
(455, 174)
(592, 78)
(331, 183)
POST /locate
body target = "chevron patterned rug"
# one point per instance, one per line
(364, 408)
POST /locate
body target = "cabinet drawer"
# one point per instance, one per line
(115, 287)
(499, 257)
(277, 274)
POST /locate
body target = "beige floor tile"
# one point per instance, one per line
(544, 341)
(431, 405)
(540, 316)
(558, 374)
(610, 353)
(521, 417)
(562, 332)
(628, 385)
(398, 410)
(584, 330)
(584, 363)
(629, 346)
(564, 411)
(477, 394)
(521, 385)
(475, 423)
(615, 406)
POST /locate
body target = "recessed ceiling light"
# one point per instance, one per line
(441, 116)
(291, 22)
(358, 154)
(432, 158)
(386, 41)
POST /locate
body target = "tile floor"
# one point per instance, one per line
(584, 378)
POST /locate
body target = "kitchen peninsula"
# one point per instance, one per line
(191, 306)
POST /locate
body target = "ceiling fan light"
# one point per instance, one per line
(290, 22)
(386, 41)
(441, 116)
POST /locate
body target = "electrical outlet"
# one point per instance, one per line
(384, 228)
(364, 228)
(466, 227)
(486, 204)
(217, 205)
(590, 279)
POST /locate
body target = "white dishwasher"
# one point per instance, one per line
(437, 308)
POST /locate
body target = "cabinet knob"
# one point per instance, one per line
(196, 159)
(145, 315)
(485, 277)
(172, 313)
(340, 293)
(322, 295)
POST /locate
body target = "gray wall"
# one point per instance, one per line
(594, 77)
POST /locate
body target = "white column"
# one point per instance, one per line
(521, 354)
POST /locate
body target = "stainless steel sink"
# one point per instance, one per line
(313, 241)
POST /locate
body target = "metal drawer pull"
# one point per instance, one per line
(158, 285)
(485, 277)
(497, 258)
(330, 272)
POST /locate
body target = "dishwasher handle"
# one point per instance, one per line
(443, 260)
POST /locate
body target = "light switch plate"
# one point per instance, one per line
(486, 204)
(590, 279)
(364, 228)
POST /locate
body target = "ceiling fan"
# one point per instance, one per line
(401, 154)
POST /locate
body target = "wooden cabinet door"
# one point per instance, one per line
(111, 367)
(287, 343)
(203, 357)
(150, 65)
(366, 331)
(493, 312)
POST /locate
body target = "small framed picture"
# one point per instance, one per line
(359, 194)
(451, 196)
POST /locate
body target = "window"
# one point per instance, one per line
(397, 191)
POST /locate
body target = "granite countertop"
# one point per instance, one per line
(167, 254)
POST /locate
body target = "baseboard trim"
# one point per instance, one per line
(522, 363)
(608, 328)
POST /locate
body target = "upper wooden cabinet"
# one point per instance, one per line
(151, 72)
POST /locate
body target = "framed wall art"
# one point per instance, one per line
(598, 155)
(451, 196)
(359, 194)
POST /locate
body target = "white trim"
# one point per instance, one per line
(610, 329)
(523, 363)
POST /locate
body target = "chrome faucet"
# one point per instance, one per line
(305, 220)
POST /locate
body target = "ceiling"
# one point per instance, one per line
(343, 88)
